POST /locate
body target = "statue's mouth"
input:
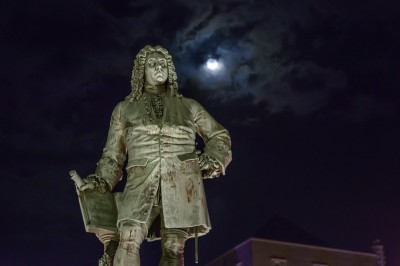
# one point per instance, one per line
(159, 74)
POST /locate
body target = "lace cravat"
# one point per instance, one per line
(157, 103)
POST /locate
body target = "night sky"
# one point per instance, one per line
(309, 91)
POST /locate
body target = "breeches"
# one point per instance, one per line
(133, 233)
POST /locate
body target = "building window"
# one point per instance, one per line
(278, 262)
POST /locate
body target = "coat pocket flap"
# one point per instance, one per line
(137, 162)
(188, 156)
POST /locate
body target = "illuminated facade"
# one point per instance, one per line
(264, 252)
(282, 243)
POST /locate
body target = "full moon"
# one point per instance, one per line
(213, 64)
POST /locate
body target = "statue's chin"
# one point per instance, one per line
(160, 80)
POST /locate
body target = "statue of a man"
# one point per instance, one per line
(154, 129)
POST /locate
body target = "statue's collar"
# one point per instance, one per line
(155, 88)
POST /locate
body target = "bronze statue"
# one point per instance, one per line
(154, 129)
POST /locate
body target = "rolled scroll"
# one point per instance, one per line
(76, 178)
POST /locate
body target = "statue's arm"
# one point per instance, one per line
(217, 151)
(109, 167)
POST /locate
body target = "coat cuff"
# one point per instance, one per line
(110, 171)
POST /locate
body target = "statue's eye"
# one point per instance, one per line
(151, 63)
(163, 63)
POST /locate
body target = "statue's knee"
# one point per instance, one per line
(172, 247)
(131, 237)
(173, 242)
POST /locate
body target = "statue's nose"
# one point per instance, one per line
(158, 67)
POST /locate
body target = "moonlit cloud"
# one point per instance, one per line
(267, 55)
(249, 50)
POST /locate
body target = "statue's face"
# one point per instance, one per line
(156, 70)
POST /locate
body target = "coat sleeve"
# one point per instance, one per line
(110, 165)
(216, 138)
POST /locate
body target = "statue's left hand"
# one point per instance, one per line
(210, 167)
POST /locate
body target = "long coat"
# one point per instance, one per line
(161, 152)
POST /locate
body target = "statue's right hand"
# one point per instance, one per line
(89, 184)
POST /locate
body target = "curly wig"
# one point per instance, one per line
(138, 72)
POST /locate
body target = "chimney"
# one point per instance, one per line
(379, 250)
